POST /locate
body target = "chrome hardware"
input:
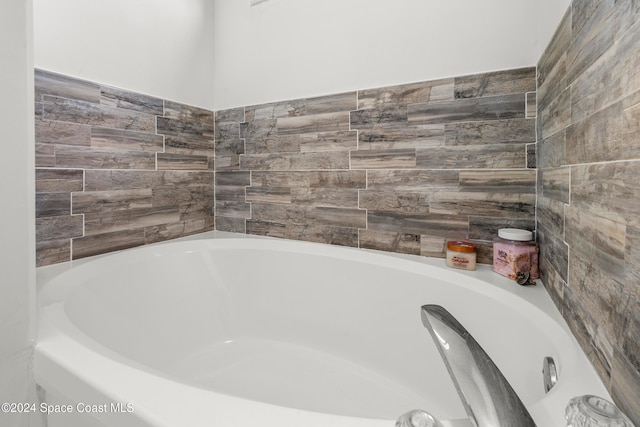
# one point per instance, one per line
(488, 398)
(417, 418)
(594, 411)
(549, 373)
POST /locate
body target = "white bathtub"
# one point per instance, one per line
(229, 330)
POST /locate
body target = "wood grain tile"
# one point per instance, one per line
(119, 98)
(341, 217)
(329, 141)
(170, 161)
(509, 131)
(395, 201)
(412, 93)
(498, 156)
(592, 35)
(233, 225)
(495, 83)
(412, 180)
(504, 181)
(401, 136)
(326, 122)
(383, 159)
(103, 158)
(486, 227)
(49, 83)
(188, 114)
(50, 252)
(389, 241)
(353, 179)
(556, 183)
(472, 109)
(434, 225)
(82, 112)
(625, 385)
(58, 227)
(483, 204)
(53, 204)
(63, 133)
(120, 139)
(108, 242)
(555, 49)
(59, 180)
(295, 161)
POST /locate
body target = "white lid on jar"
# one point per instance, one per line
(515, 234)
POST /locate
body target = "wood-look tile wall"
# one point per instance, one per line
(117, 169)
(399, 168)
(589, 186)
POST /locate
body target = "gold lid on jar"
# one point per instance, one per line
(461, 246)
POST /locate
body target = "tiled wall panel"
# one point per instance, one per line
(117, 169)
(400, 168)
(589, 186)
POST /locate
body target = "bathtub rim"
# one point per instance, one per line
(537, 297)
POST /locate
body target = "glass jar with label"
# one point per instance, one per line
(461, 254)
(514, 252)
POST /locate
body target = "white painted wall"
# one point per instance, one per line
(17, 247)
(162, 48)
(285, 49)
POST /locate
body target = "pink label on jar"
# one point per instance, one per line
(511, 258)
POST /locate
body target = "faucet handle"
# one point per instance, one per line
(417, 418)
(594, 411)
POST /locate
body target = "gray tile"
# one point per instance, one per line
(495, 83)
(49, 83)
(391, 242)
(472, 109)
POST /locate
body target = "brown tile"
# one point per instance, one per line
(383, 159)
(341, 217)
(58, 227)
(59, 180)
(295, 161)
(483, 204)
(326, 122)
(329, 141)
(503, 181)
(50, 252)
(104, 222)
(188, 113)
(625, 386)
(125, 99)
(53, 204)
(412, 180)
(337, 179)
(486, 227)
(509, 131)
(103, 158)
(432, 225)
(49, 83)
(102, 201)
(412, 93)
(390, 241)
(63, 133)
(592, 35)
(498, 156)
(120, 139)
(401, 136)
(233, 225)
(495, 83)
(395, 201)
(555, 49)
(555, 183)
(108, 242)
(169, 161)
(86, 113)
(465, 110)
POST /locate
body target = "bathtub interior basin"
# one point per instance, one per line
(305, 327)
